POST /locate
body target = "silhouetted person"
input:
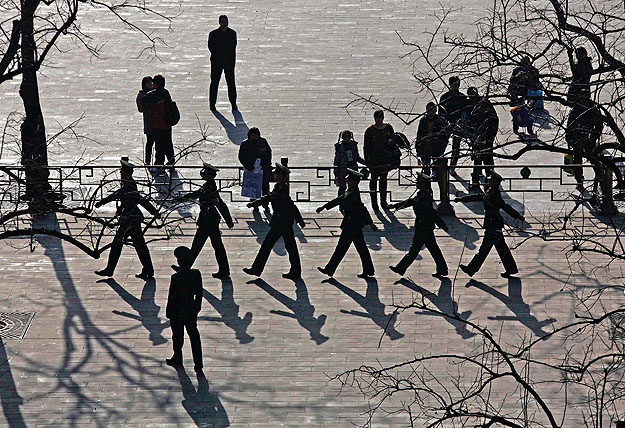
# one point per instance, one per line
(582, 71)
(345, 156)
(583, 130)
(493, 225)
(212, 208)
(378, 150)
(222, 44)
(255, 157)
(524, 78)
(183, 305)
(454, 106)
(483, 125)
(129, 223)
(432, 138)
(285, 212)
(155, 101)
(146, 86)
(426, 218)
(355, 217)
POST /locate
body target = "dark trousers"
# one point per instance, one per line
(382, 177)
(149, 144)
(206, 228)
(216, 70)
(130, 229)
(484, 156)
(164, 146)
(494, 237)
(275, 232)
(345, 240)
(177, 330)
(455, 150)
(427, 238)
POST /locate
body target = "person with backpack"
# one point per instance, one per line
(146, 86)
(159, 101)
(345, 156)
(380, 157)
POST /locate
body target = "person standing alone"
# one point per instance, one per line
(222, 44)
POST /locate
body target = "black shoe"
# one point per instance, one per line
(104, 272)
(251, 271)
(176, 268)
(221, 275)
(325, 271)
(144, 276)
(396, 270)
(292, 276)
(466, 270)
(173, 362)
(213, 108)
(440, 274)
(508, 274)
(365, 275)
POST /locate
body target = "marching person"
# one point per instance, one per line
(212, 209)
(355, 217)
(285, 212)
(378, 150)
(493, 225)
(129, 223)
(425, 220)
(183, 306)
(222, 44)
(345, 156)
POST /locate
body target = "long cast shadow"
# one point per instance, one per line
(301, 308)
(444, 303)
(370, 302)
(237, 131)
(396, 233)
(229, 311)
(147, 310)
(514, 301)
(9, 397)
(259, 227)
(204, 407)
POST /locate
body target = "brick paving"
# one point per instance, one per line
(94, 353)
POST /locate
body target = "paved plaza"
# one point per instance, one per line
(94, 353)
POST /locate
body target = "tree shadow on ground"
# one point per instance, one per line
(237, 131)
(10, 399)
(301, 308)
(204, 407)
(444, 302)
(229, 312)
(147, 310)
(370, 302)
(514, 302)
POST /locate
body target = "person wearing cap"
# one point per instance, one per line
(212, 209)
(285, 212)
(355, 217)
(493, 225)
(378, 150)
(184, 303)
(129, 223)
(426, 218)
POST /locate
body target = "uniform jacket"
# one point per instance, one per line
(493, 202)
(129, 200)
(425, 214)
(222, 46)
(211, 204)
(285, 212)
(185, 294)
(355, 215)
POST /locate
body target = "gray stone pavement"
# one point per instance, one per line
(94, 353)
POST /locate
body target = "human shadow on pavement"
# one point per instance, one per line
(229, 311)
(460, 231)
(204, 407)
(514, 301)
(370, 302)
(301, 308)
(237, 131)
(395, 232)
(444, 302)
(10, 399)
(147, 309)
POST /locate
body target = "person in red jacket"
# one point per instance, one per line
(155, 101)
